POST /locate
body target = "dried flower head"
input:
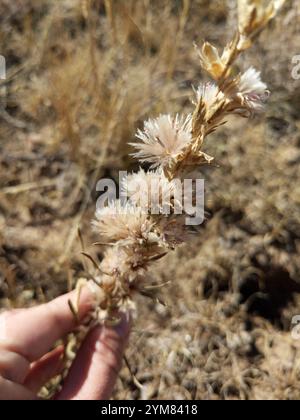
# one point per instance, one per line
(250, 82)
(122, 222)
(252, 91)
(254, 15)
(211, 61)
(152, 191)
(138, 237)
(120, 262)
(163, 140)
(210, 94)
(211, 103)
(209, 114)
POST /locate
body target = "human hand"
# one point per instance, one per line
(26, 362)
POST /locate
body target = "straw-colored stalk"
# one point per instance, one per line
(173, 146)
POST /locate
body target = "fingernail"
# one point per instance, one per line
(123, 326)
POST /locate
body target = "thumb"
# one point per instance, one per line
(96, 367)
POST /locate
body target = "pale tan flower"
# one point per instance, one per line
(152, 191)
(127, 264)
(209, 93)
(209, 114)
(252, 91)
(250, 82)
(115, 262)
(119, 222)
(211, 99)
(163, 140)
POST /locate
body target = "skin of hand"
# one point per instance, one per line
(27, 362)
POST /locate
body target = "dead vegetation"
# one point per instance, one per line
(82, 76)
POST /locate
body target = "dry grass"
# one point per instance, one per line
(81, 79)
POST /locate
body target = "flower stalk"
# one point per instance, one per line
(135, 235)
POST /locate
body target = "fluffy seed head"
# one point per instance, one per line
(211, 98)
(152, 190)
(251, 82)
(121, 222)
(209, 93)
(163, 140)
(252, 90)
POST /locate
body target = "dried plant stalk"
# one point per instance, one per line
(173, 146)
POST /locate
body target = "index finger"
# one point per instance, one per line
(32, 332)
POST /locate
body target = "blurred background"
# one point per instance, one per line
(82, 75)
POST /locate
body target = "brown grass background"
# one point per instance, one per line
(82, 77)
